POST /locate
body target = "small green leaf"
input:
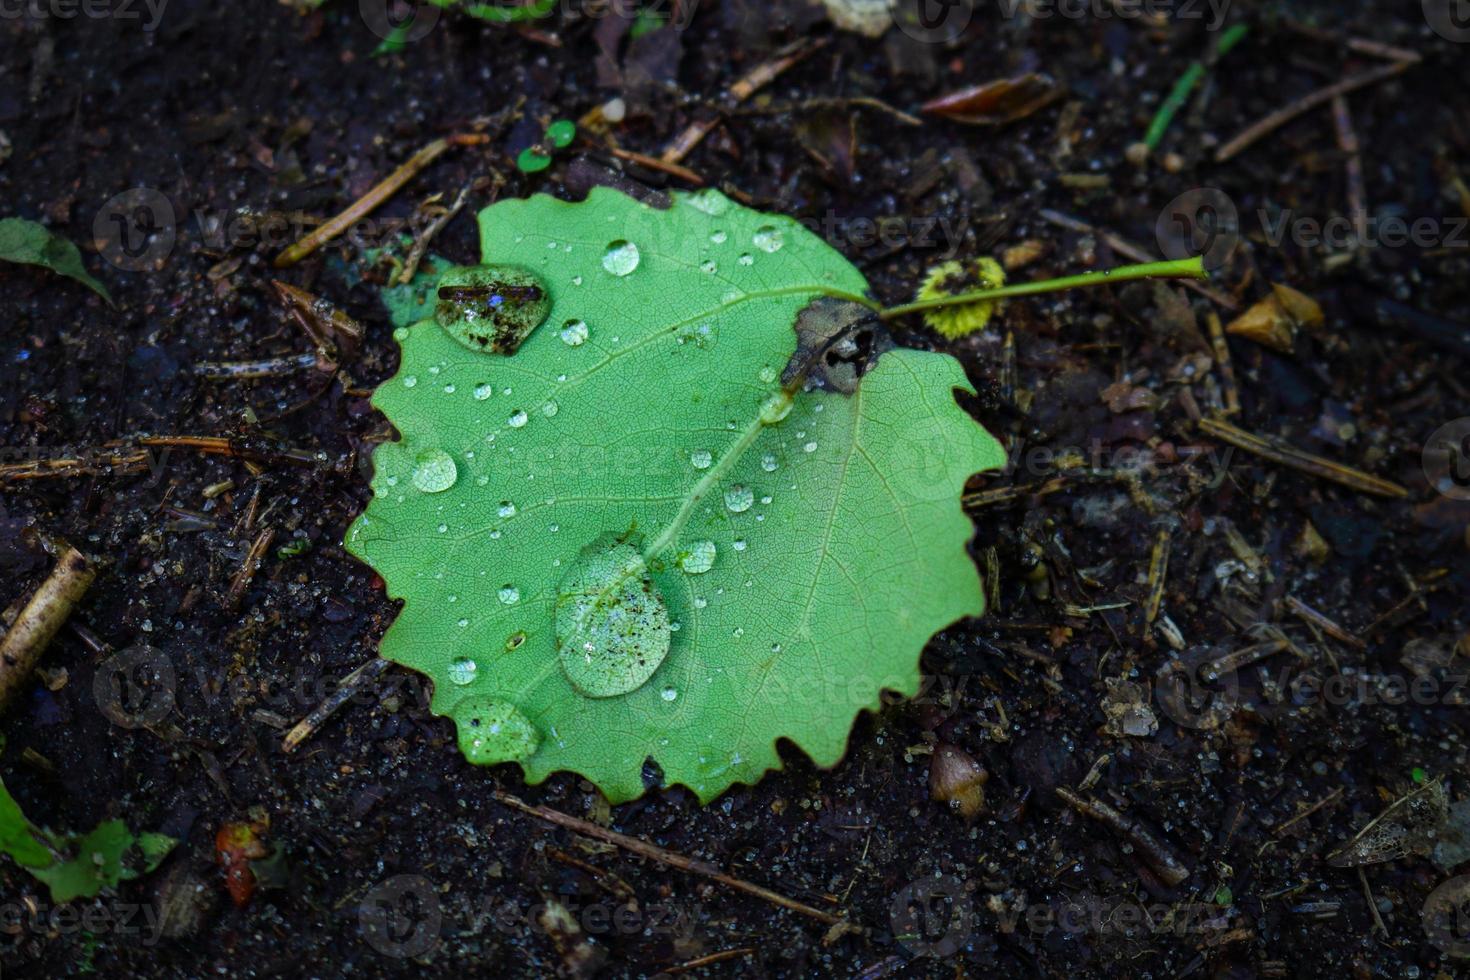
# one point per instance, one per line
(532, 161)
(561, 133)
(78, 866)
(643, 536)
(32, 244)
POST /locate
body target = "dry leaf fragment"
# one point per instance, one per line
(1273, 322)
(997, 102)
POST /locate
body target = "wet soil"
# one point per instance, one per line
(248, 112)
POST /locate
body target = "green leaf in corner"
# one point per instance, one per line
(32, 244)
(75, 866)
(699, 506)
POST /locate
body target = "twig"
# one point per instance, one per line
(38, 622)
(1307, 103)
(1326, 800)
(1280, 451)
(370, 201)
(1222, 359)
(1372, 902)
(1347, 141)
(1326, 625)
(1244, 657)
(665, 857)
(248, 568)
(221, 446)
(327, 327)
(746, 86)
(421, 243)
(270, 367)
(1158, 575)
(720, 957)
(101, 463)
(349, 686)
(654, 163)
(1155, 853)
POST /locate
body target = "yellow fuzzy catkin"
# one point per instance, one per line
(956, 277)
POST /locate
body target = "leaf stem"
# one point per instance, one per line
(1177, 269)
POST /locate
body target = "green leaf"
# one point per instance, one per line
(31, 244)
(72, 866)
(630, 540)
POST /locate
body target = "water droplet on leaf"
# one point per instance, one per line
(612, 627)
(574, 333)
(699, 559)
(491, 731)
(621, 257)
(462, 670)
(701, 459)
(509, 594)
(506, 509)
(491, 308)
(768, 238)
(739, 499)
(517, 419)
(483, 391)
(434, 471)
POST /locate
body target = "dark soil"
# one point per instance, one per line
(246, 110)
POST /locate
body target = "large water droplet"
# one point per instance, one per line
(768, 238)
(509, 594)
(769, 463)
(669, 694)
(718, 237)
(776, 408)
(621, 257)
(699, 559)
(517, 419)
(491, 731)
(574, 333)
(739, 499)
(462, 670)
(434, 471)
(491, 308)
(710, 202)
(506, 509)
(746, 259)
(701, 459)
(483, 392)
(612, 627)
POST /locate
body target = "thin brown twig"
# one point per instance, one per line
(370, 201)
(1326, 800)
(743, 88)
(666, 857)
(1347, 142)
(1280, 451)
(1158, 574)
(739, 952)
(248, 568)
(1155, 853)
(1222, 360)
(421, 243)
(655, 163)
(349, 686)
(1264, 127)
(41, 618)
(1310, 615)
